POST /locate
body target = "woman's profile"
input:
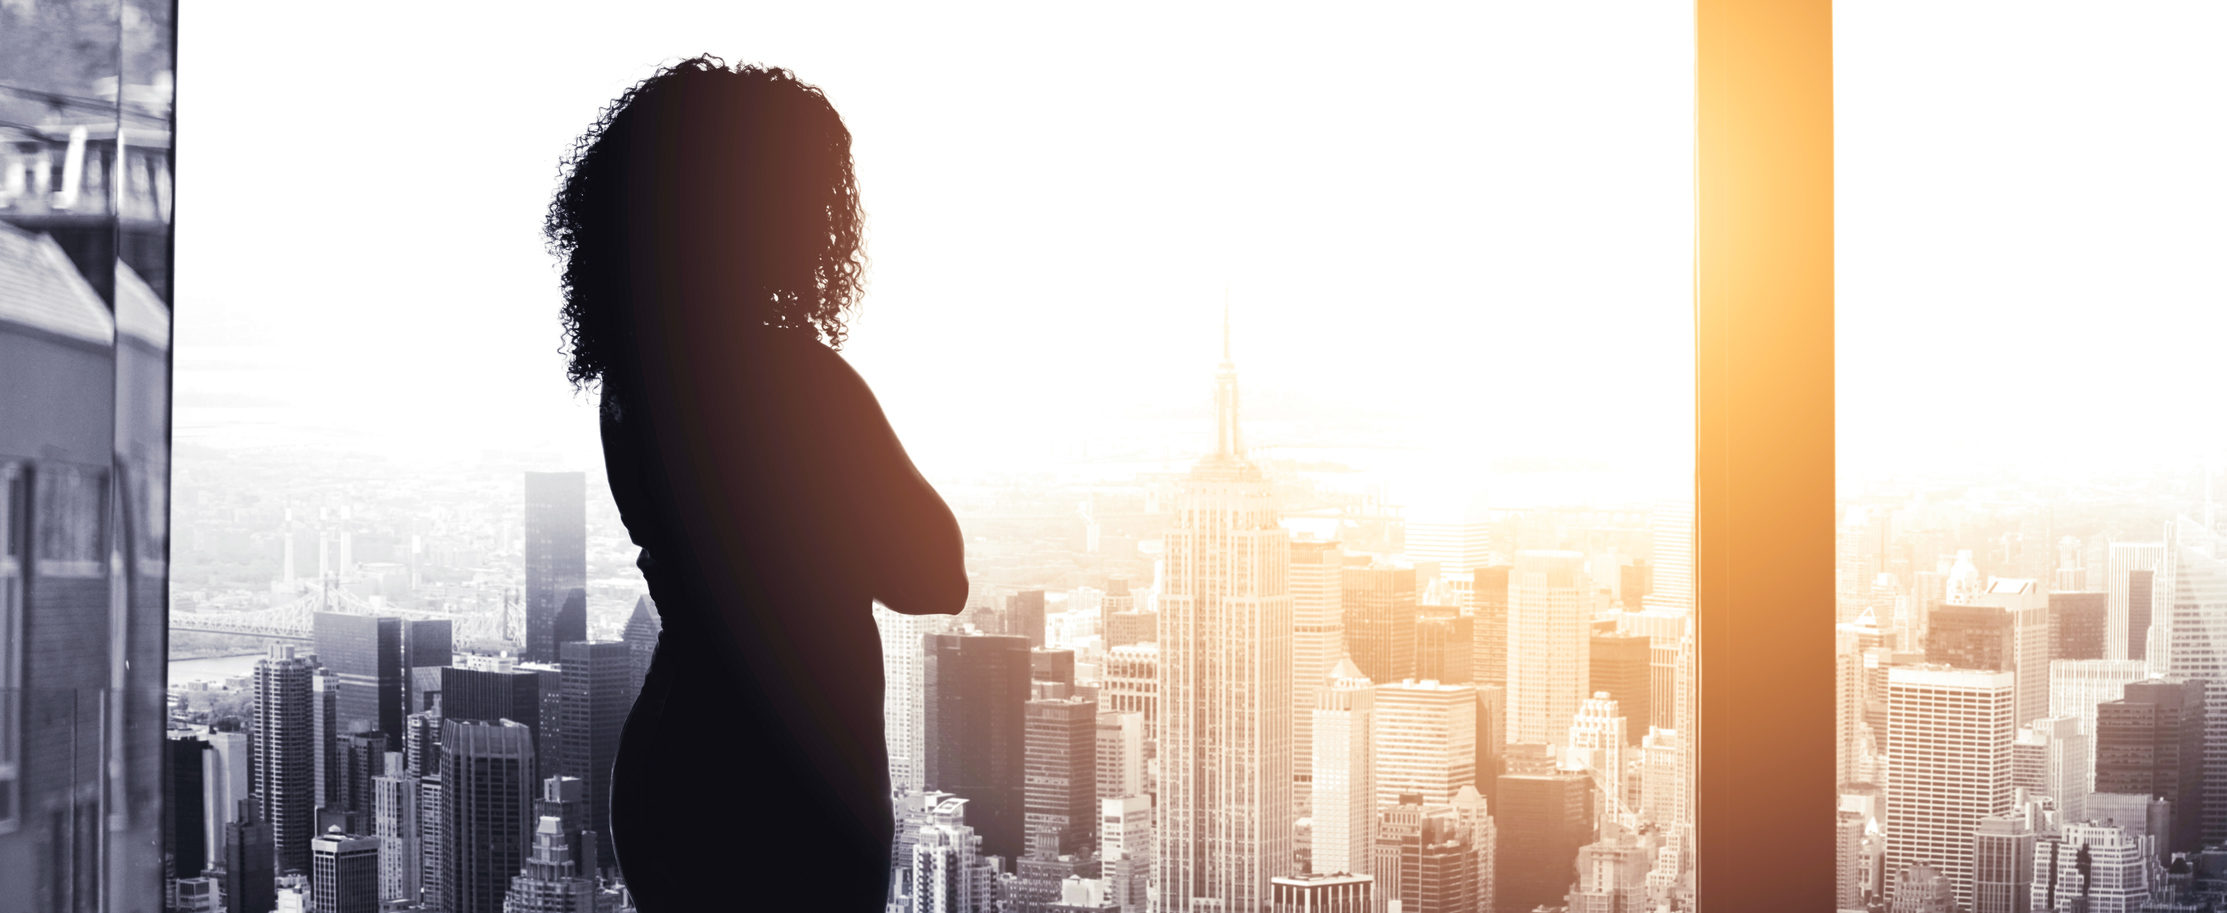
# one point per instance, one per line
(709, 227)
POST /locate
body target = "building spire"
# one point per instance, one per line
(1226, 442)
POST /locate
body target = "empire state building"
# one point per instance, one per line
(1225, 726)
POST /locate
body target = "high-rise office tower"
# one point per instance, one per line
(1225, 788)
(1121, 739)
(487, 777)
(1322, 893)
(2192, 600)
(1427, 857)
(248, 871)
(2099, 868)
(1024, 615)
(1344, 780)
(1971, 637)
(344, 873)
(2002, 865)
(1547, 817)
(977, 687)
(1317, 631)
(1060, 767)
(1848, 749)
(2076, 686)
(1596, 746)
(1547, 644)
(1444, 645)
(644, 626)
(364, 655)
(428, 646)
(903, 690)
(1125, 849)
(2151, 743)
(394, 816)
(433, 841)
(1612, 875)
(1492, 738)
(1474, 816)
(1488, 597)
(421, 743)
(1425, 736)
(1378, 602)
(552, 881)
(232, 750)
(285, 761)
(492, 694)
(2079, 625)
(2054, 758)
(1949, 734)
(1131, 681)
(556, 562)
(185, 818)
(594, 698)
(1848, 860)
(1662, 778)
(2028, 607)
(566, 800)
(1621, 665)
(1049, 665)
(949, 873)
(1126, 619)
(2128, 600)
(1671, 588)
(324, 740)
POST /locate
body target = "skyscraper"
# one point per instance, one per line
(644, 626)
(556, 562)
(1548, 817)
(185, 826)
(344, 873)
(2128, 585)
(1621, 666)
(1125, 849)
(487, 774)
(2079, 625)
(1024, 615)
(428, 645)
(1321, 893)
(1344, 780)
(2054, 758)
(904, 688)
(1488, 598)
(2002, 865)
(248, 874)
(2101, 865)
(490, 695)
(1670, 589)
(2077, 686)
(1596, 746)
(2151, 743)
(1317, 630)
(977, 686)
(364, 655)
(1427, 857)
(1060, 762)
(1547, 645)
(552, 881)
(1612, 875)
(1378, 602)
(2028, 607)
(1132, 680)
(1120, 754)
(1425, 736)
(394, 815)
(1225, 718)
(2192, 599)
(594, 700)
(285, 764)
(1949, 734)
(949, 874)
(1444, 645)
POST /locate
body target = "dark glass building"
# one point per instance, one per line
(1622, 666)
(2151, 743)
(185, 840)
(1024, 615)
(1380, 616)
(492, 695)
(427, 647)
(593, 699)
(364, 655)
(1547, 817)
(1445, 645)
(487, 792)
(977, 685)
(1971, 637)
(1052, 666)
(556, 562)
(2078, 625)
(642, 630)
(249, 878)
(285, 763)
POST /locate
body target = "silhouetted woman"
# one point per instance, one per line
(709, 226)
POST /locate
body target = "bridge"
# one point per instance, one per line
(295, 620)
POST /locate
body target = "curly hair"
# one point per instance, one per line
(745, 154)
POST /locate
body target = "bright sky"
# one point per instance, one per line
(2029, 234)
(1474, 216)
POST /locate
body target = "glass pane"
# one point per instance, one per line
(85, 121)
(1312, 393)
(2028, 676)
